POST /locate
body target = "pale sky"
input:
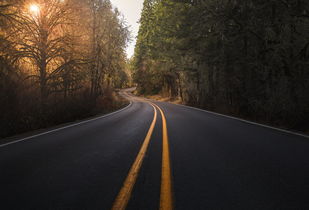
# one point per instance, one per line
(131, 10)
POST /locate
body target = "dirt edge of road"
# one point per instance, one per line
(161, 98)
(118, 104)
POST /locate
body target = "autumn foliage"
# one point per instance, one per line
(59, 61)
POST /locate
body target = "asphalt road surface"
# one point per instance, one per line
(153, 155)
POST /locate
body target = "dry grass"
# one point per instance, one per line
(164, 99)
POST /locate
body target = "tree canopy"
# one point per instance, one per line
(59, 59)
(247, 58)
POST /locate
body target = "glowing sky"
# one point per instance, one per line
(131, 10)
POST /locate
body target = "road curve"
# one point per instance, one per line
(208, 162)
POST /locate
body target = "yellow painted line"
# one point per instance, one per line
(124, 195)
(166, 198)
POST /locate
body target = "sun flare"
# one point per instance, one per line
(35, 9)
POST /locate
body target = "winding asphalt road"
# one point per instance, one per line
(153, 155)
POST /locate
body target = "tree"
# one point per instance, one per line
(60, 61)
(41, 38)
(246, 58)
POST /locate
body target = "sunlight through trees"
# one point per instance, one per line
(59, 59)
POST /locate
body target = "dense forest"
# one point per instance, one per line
(60, 61)
(243, 58)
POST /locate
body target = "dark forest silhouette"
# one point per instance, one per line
(245, 58)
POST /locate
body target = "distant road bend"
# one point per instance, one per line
(156, 155)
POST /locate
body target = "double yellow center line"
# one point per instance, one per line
(166, 201)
